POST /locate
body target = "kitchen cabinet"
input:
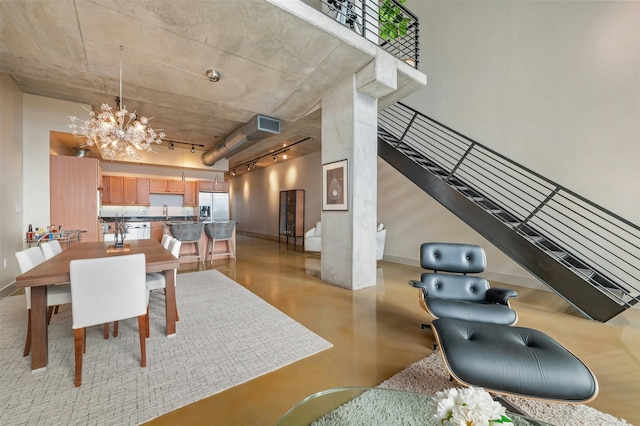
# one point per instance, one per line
(157, 230)
(142, 192)
(212, 186)
(291, 221)
(129, 191)
(166, 186)
(190, 195)
(135, 191)
(105, 189)
(125, 191)
(74, 194)
(115, 190)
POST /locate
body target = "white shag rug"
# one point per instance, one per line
(226, 336)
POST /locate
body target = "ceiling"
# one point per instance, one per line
(275, 57)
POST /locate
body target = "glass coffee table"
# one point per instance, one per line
(371, 407)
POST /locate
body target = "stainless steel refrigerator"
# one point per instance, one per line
(214, 206)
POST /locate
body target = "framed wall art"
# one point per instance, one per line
(335, 185)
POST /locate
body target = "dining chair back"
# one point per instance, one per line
(50, 249)
(56, 294)
(156, 280)
(166, 239)
(104, 290)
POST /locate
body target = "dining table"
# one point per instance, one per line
(55, 271)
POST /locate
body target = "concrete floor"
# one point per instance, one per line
(376, 333)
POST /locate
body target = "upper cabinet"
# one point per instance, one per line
(190, 194)
(166, 186)
(213, 186)
(116, 191)
(125, 191)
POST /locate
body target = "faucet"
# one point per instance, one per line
(165, 212)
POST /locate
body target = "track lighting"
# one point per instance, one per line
(233, 172)
(275, 158)
(193, 149)
(171, 146)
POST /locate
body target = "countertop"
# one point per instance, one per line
(151, 219)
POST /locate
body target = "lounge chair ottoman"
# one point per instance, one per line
(513, 360)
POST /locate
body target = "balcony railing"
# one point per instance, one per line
(385, 22)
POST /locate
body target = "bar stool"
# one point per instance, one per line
(220, 231)
(189, 233)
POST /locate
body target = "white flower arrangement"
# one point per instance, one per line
(468, 407)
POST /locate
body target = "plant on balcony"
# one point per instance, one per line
(393, 22)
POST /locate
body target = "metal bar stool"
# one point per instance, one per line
(189, 233)
(220, 231)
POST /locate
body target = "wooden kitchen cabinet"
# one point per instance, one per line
(105, 190)
(157, 229)
(125, 191)
(130, 191)
(116, 191)
(158, 186)
(166, 186)
(136, 191)
(142, 192)
(74, 194)
(190, 194)
(212, 186)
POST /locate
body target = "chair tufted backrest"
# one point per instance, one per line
(453, 257)
(468, 288)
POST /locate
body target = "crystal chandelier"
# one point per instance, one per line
(121, 134)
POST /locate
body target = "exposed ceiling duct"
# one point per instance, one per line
(258, 128)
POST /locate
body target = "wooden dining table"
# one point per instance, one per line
(56, 271)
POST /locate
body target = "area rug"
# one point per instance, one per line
(430, 375)
(226, 336)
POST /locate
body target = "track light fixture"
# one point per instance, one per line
(193, 149)
(171, 146)
(275, 158)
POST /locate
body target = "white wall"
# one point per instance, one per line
(255, 196)
(41, 116)
(11, 172)
(554, 86)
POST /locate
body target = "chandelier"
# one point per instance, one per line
(119, 134)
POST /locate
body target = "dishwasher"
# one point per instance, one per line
(134, 231)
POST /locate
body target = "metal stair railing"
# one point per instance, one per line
(594, 243)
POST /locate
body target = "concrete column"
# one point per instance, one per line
(349, 132)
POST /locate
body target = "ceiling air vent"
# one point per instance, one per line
(258, 128)
(268, 124)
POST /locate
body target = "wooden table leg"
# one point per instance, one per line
(170, 301)
(39, 335)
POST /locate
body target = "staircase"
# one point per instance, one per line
(586, 254)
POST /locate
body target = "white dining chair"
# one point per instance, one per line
(107, 289)
(50, 249)
(166, 239)
(156, 280)
(56, 294)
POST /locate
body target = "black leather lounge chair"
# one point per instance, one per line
(456, 295)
